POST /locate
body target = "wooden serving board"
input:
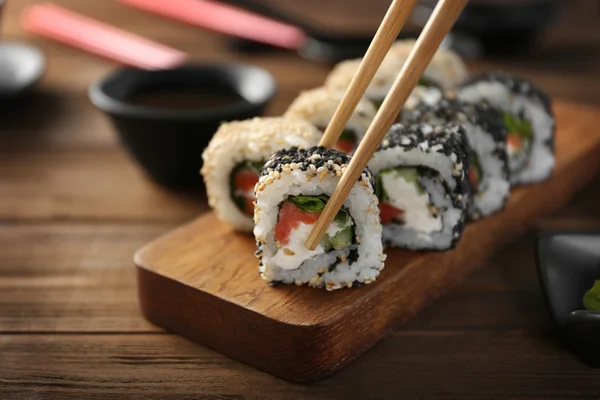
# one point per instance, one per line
(201, 280)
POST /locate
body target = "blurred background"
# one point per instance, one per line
(521, 36)
(554, 43)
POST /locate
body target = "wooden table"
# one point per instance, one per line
(74, 208)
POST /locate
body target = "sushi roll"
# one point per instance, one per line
(318, 106)
(294, 187)
(484, 127)
(342, 74)
(529, 121)
(421, 182)
(234, 157)
(446, 69)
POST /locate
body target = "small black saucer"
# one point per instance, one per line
(568, 264)
(168, 142)
(21, 66)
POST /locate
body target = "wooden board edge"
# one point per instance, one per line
(207, 316)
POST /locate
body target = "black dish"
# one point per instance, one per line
(315, 49)
(568, 264)
(168, 141)
(21, 66)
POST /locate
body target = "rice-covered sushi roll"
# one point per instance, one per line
(484, 127)
(445, 71)
(294, 187)
(342, 74)
(529, 121)
(235, 155)
(421, 182)
(318, 106)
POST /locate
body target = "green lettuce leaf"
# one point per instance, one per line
(317, 204)
(378, 103)
(379, 192)
(348, 134)
(517, 125)
(591, 300)
(258, 165)
(309, 203)
(425, 82)
(475, 164)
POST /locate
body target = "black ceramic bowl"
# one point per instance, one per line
(166, 118)
(569, 263)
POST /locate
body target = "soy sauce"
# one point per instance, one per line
(185, 98)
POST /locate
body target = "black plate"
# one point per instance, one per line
(569, 263)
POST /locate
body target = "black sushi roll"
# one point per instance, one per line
(421, 182)
(486, 133)
(528, 118)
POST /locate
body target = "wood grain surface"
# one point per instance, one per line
(74, 209)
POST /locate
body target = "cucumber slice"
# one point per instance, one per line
(342, 239)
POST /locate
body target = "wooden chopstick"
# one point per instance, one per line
(386, 34)
(441, 21)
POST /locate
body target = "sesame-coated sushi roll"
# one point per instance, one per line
(293, 189)
(235, 155)
(529, 122)
(445, 70)
(484, 127)
(421, 181)
(318, 106)
(342, 74)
